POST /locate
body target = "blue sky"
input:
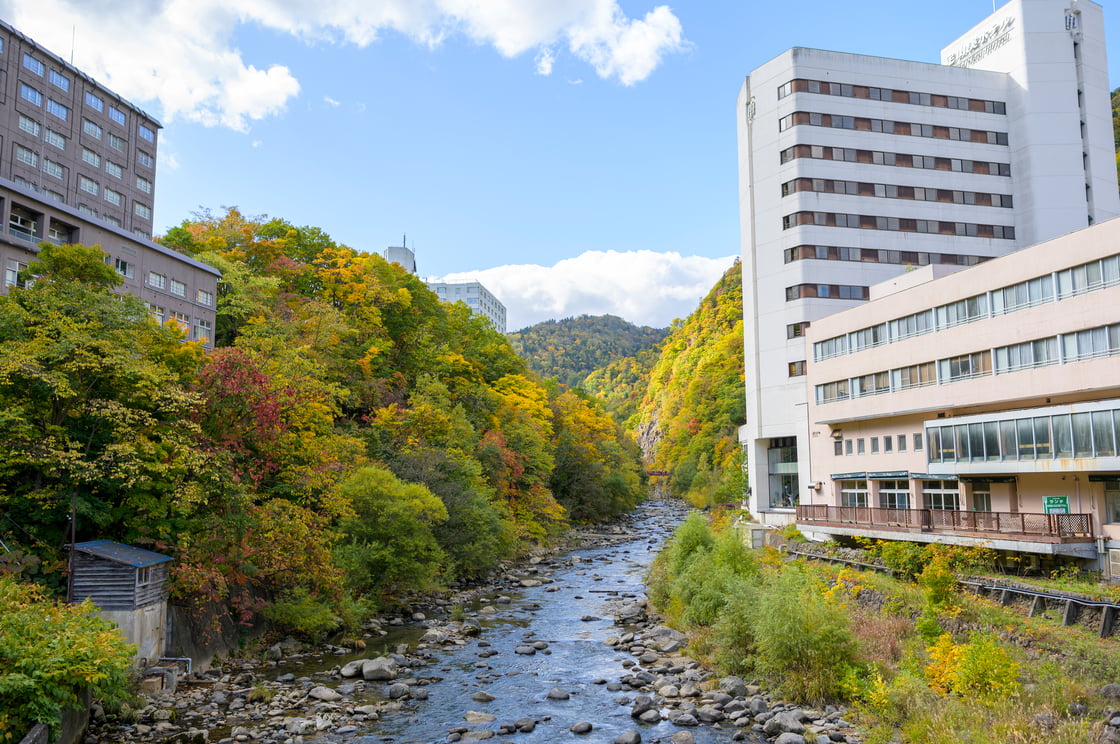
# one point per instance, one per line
(575, 155)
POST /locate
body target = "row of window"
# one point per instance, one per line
(899, 159)
(1088, 277)
(178, 288)
(894, 191)
(912, 129)
(1093, 434)
(1078, 346)
(878, 255)
(845, 447)
(51, 137)
(201, 330)
(939, 495)
(898, 224)
(827, 291)
(35, 97)
(61, 111)
(847, 90)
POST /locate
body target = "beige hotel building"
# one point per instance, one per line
(976, 406)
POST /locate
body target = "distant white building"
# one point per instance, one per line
(854, 169)
(475, 296)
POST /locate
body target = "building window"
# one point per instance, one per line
(797, 330)
(847, 446)
(888, 444)
(34, 65)
(113, 197)
(60, 81)
(874, 445)
(797, 369)
(87, 209)
(159, 281)
(982, 496)
(111, 220)
(57, 140)
(895, 159)
(159, 313)
(205, 298)
(1027, 355)
(894, 494)
(142, 234)
(837, 447)
(965, 367)
(92, 129)
(901, 442)
(203, 330)
(124, 268)
(181, 319)
(11, 274)
(113, 169)
(91, 157)
(897, 224)
(826, 291)
(916, 375)
(143, 575)
(860, 449)
(1112, 503)
(894, 191)
(178, 288)
(833, 391)
(1092, 343)
(917, 442)
(94, 102)
(146, 133)
(914, 98)
(27, 157)
(118, 144)
(878, 255)
(1088, 277)
(27, 93)
(145, 159)
(88, 185)
(117, 115)
(57, 109)
(144, 185)
(941, 495)
(21, 181)
(29, 125)
(887, 126)
(53, 169)
(873, 384)
(142, 211)
(853, 493)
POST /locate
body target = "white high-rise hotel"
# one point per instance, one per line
(853, 168)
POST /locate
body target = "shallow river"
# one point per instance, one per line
(576, 660)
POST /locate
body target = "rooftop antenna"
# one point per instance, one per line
(404, 240)
(74, 34)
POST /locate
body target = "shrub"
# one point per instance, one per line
(804, 645)
(693, 535)
(980, 668)
(301, 611)
(52, 652)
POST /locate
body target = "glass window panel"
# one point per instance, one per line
(976, 441)
(1026, 439)
(1063, 437)
(1103, 444)
(991, 440)
(1042, 436)
(962, 441)
(1082, 435)
(935, 452)
(1009, 440)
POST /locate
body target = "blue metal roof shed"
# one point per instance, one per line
(117, 576)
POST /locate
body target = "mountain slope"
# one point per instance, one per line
(571, 348)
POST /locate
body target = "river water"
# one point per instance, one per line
(583, 585)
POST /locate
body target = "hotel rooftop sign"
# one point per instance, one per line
(982, 45)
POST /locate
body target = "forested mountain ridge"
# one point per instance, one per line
(570, 349)
(349, 436)
(686, 401)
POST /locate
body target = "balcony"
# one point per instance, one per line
(23, 233)
(988, 526)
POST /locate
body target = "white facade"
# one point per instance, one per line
(854, 168)
(476, 297)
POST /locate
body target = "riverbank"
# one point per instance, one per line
(561, 643)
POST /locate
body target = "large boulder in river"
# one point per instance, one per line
(352, 668)
(379, 670)
(666, 639)
(631, 612)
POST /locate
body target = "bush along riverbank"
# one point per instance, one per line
(914, 662)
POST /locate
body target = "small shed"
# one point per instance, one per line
(129, 587)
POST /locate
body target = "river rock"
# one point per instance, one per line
(733, 686)
(791, 738)
(326, 694)
(399, 690)
(684, 719)
(474, 716)
(434, 636)
(300, 726)
(525, 650)
(787, 721)
(379, 670)
(642, 703)
(482, 696)
(581, 727)
(478, 735)
(525, 725)
(557, 694)
(629, 737)
(682, 737)
(667, 639)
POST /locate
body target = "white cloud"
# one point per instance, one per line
(545, 58)
(181, 53)
(331, 102)
(644, 287)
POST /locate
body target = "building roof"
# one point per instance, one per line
(121, 553)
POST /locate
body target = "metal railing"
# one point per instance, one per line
(1027, 524)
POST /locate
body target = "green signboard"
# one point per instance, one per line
(1055, 504)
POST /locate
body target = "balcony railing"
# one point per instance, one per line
(1017, 525)
(22, 233)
